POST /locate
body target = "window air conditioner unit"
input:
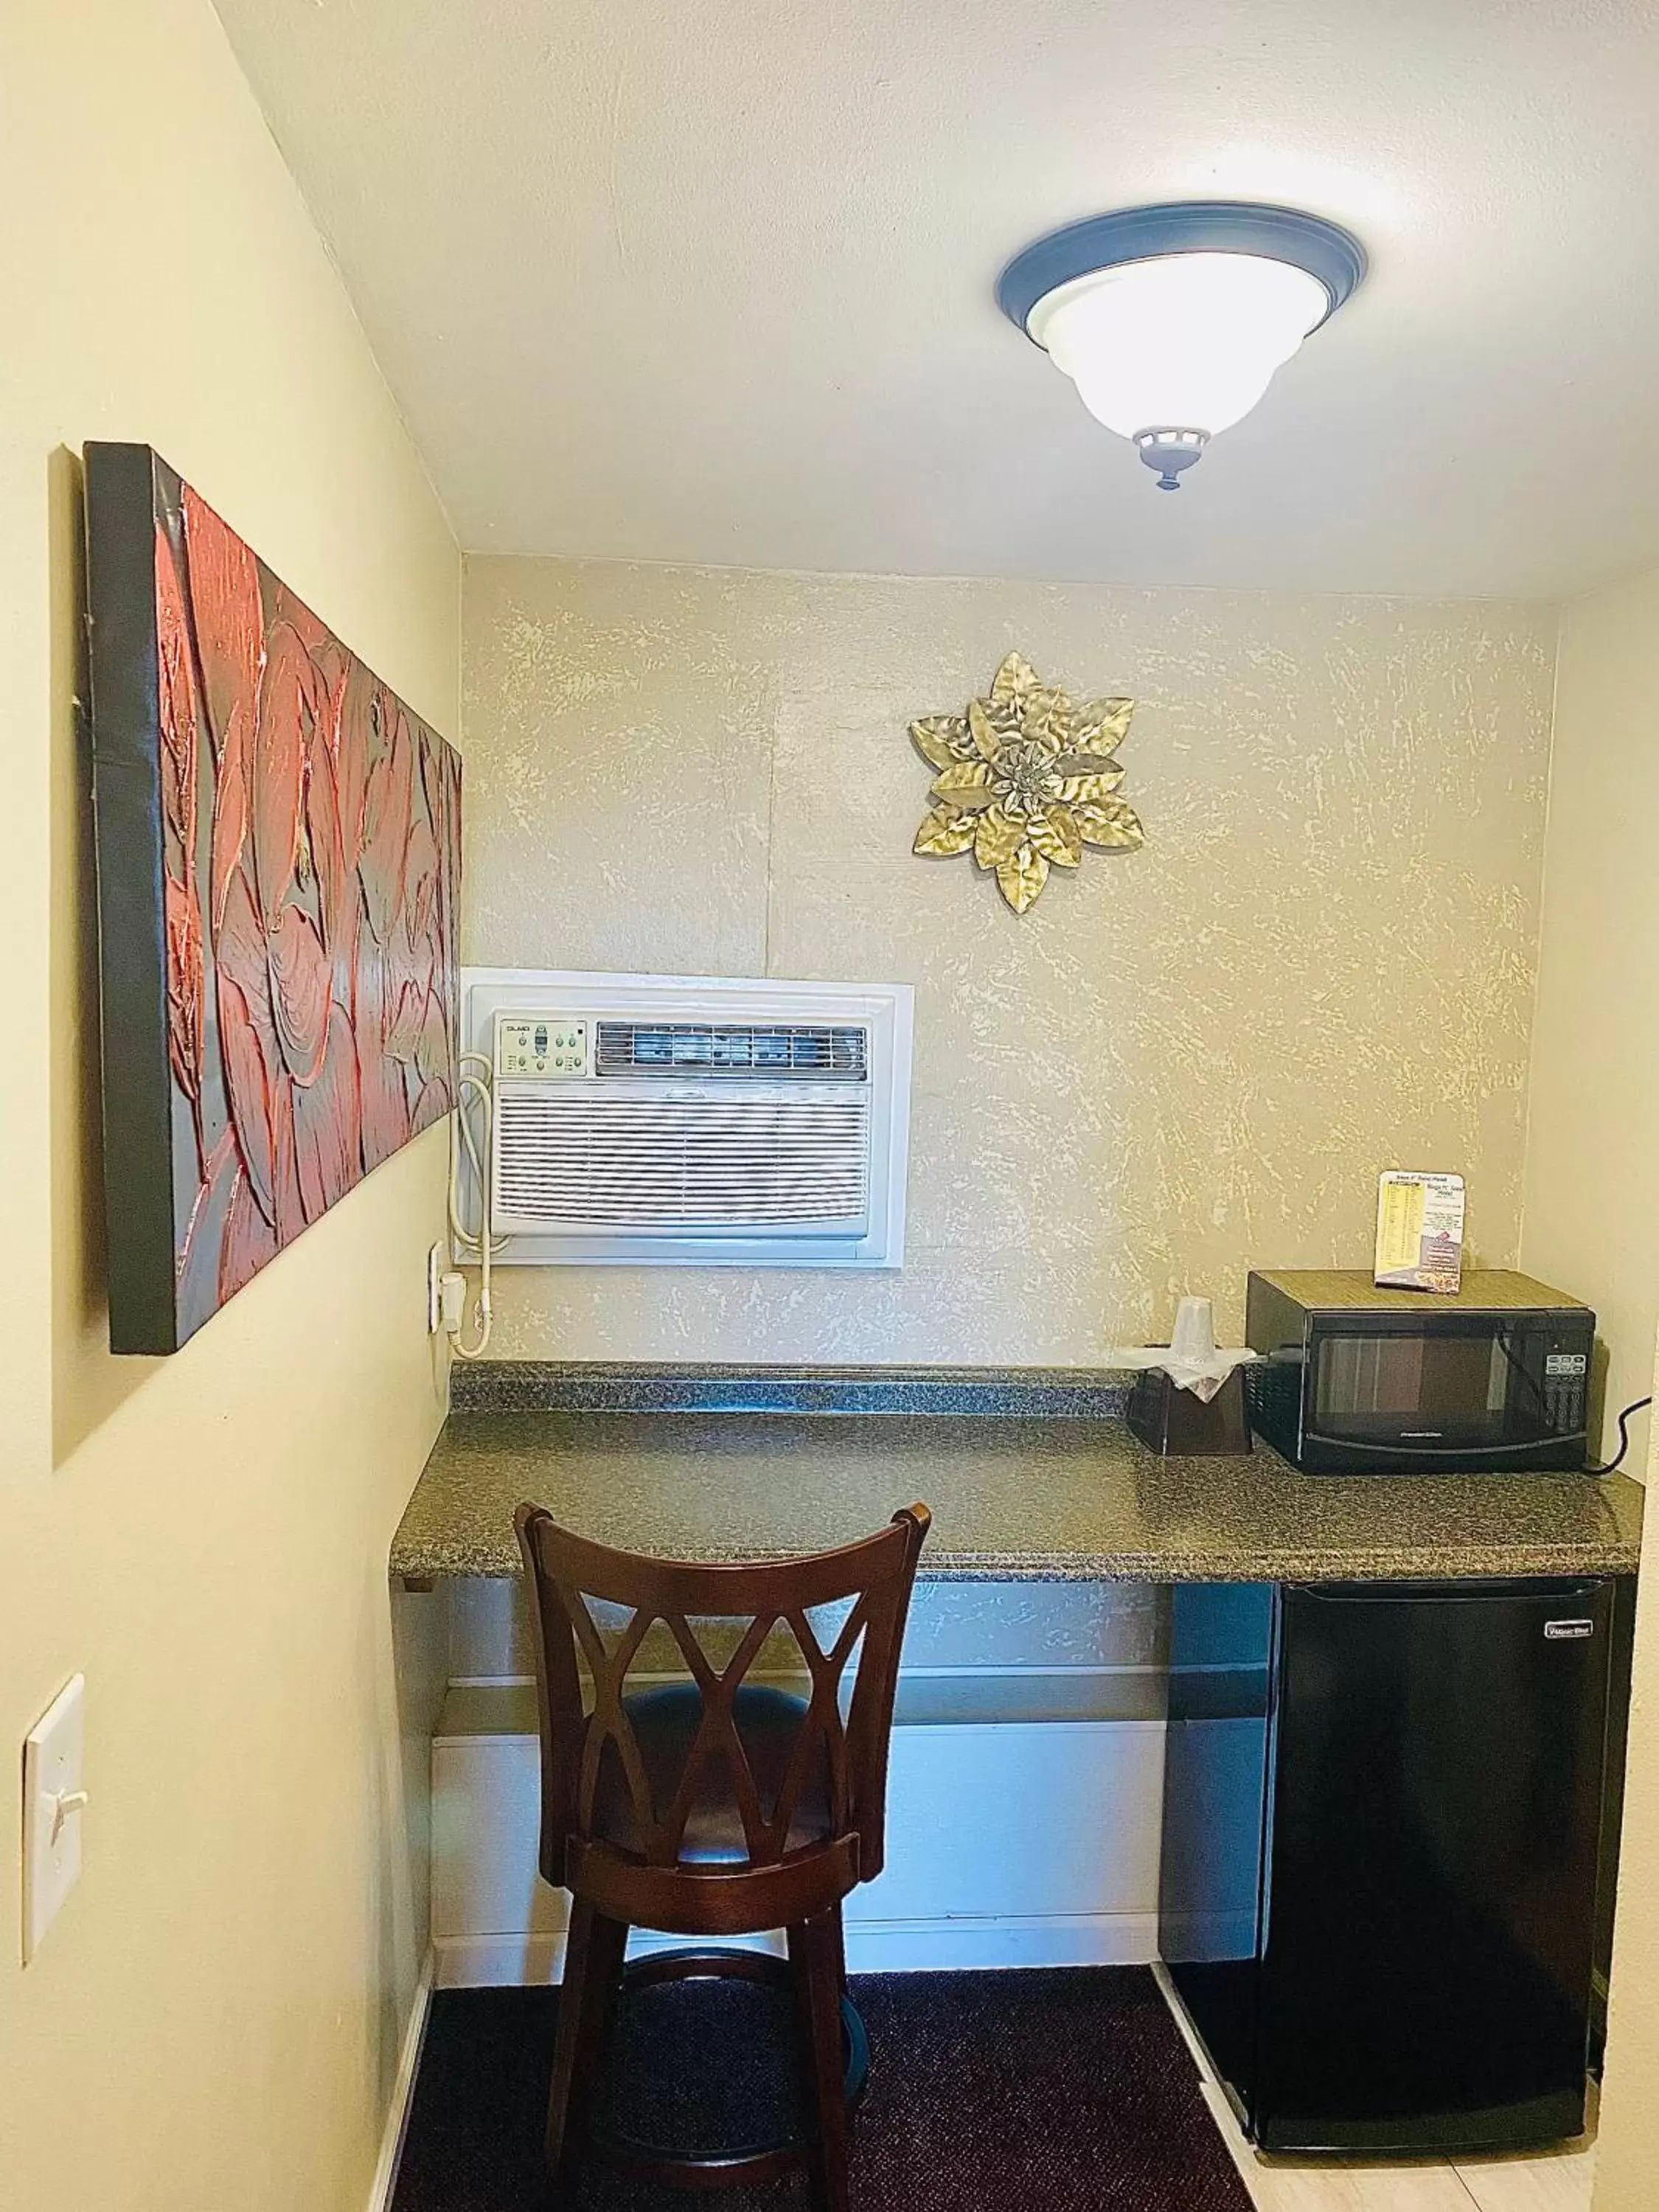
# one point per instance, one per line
(673, 1121)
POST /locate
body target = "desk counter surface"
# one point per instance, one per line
(1047, 1495)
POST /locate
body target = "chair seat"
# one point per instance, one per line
(665, 1723)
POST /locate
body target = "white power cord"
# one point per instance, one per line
(484, 1244)
(482, 1084)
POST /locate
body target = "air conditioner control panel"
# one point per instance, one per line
(544, 1046)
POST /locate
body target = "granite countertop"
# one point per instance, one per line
(1016, 1495)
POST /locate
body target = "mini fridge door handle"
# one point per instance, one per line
(1548, 1589)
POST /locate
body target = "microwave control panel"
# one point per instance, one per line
(1566, 1385)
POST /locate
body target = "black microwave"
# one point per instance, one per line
(1354, 1380)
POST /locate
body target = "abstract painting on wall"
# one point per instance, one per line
(278, 842)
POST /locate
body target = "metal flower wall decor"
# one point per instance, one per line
(1026, 778)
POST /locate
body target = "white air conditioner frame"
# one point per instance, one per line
(885, 1010)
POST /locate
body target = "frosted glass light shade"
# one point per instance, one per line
(1187, 340)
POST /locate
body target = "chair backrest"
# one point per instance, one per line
(568, 1577)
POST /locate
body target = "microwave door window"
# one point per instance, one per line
(1448, 1391)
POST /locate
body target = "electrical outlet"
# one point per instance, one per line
(54, 1802)
(434, 1296)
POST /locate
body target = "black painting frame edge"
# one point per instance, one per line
(123, 655)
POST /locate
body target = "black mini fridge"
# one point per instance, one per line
(1382, 1806)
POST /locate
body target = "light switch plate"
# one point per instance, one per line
(54, 1769)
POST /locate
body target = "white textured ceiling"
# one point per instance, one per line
(710, 280)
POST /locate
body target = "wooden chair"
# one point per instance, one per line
(714, 1808)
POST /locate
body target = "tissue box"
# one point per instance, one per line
(1168, 1419)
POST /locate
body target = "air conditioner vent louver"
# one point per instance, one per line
(568, 1157)
(690, 1121)
(735, 1049)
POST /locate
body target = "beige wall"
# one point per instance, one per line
(1592, 1201)
(1591, 1206)
(1627, 2152)
(212, 2022)
(1183, 1061)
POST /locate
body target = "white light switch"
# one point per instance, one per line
(54, 1804)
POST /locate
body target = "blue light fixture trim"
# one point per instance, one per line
(1325, 250)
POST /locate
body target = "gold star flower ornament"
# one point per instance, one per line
(1026, 778)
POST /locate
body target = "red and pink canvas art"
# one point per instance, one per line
(279, 872)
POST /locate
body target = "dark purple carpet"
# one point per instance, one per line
(1041, 2091)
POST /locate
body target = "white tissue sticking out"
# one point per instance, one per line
(1190, 1359)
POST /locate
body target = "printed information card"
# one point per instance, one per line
(1420, 1232)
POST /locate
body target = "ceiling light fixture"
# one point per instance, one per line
(1171, 320)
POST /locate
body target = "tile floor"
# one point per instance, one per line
(1551, 2181)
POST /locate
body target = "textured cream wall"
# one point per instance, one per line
(212, 2021)
(1591, 1205)
(1627, 2152)
(1592, 1201)
(1182, 1062)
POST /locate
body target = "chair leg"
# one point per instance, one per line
(840, 1953)
(592, 1969)
(815, 1955)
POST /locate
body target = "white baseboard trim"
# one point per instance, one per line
(961, 1945)
(875, 1946)
(1245, 2158)
(1182, 2019)
(518, 1962)
(403, 2090)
